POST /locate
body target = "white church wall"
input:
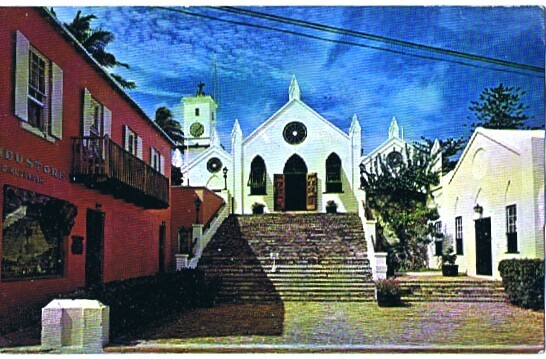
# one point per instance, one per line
(322, 140)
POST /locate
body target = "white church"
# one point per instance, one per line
(296, 160)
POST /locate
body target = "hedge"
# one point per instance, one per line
(523, 281)
(136, 303)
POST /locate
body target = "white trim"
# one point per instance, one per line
(22, 54)
(56, 101)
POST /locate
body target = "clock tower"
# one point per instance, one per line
(199, 114)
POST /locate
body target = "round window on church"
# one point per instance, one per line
(295, 133)
(214, 165)
(394, 159)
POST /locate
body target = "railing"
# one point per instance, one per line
(101, 162)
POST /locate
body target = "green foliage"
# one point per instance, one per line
(164, 119)
(499, 108)
(135, 303)
(388, 293)
(95, 42)
(450, 147)
(398, 198)
(523, 281)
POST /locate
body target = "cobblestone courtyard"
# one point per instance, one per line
(330, 326)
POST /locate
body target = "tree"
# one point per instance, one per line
(95, 42)
(450, 148)
(499, 108)
(164, 119)
(398, 197)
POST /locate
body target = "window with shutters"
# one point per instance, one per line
(38, 91)
(438, 242)
(157, 161)
(132, 142)
(511, 228)
(97, 118)
(459, 235)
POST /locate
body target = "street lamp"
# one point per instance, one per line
(478, 210)
(225, 170)
(197, 203)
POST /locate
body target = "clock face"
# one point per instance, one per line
(295, 133)
(197, 129)
(214, 165)
(394, 159)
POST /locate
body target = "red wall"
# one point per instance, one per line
(131, 245)
(183, 209)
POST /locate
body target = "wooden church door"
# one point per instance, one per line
(312, 192)
(279, 192)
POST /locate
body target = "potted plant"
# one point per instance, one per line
(258, 208)
(388, 293)
(331, 207)
(449, 268)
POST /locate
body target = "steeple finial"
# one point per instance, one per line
(394, 129)
(200, 91)
(294, 89)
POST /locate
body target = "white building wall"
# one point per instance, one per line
(322, 139)
(494, 176)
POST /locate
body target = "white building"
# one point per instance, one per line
(492, 204)
(294, 161)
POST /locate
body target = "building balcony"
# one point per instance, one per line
(100, 163)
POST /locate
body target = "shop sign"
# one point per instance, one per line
(33, 170)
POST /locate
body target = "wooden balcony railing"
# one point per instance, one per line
(101, 163)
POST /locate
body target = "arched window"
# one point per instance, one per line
(257, 180)
(333, 174)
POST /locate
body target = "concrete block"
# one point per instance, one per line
(75, 326)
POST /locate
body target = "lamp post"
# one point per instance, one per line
(225, 170)
(197, 202)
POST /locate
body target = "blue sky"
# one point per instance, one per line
(170, 53)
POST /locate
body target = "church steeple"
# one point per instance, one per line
(394, 129)
(294, 89)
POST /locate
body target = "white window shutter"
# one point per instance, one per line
(139, 147)
(57, 101)
(107, 121)
(162, 164)
(152, 156)
(21, 76)
(87, 112)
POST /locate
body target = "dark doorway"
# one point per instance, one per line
(484, 264)
(162, 235)
(94, 254)
(295, 173)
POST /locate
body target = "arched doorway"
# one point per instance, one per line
(295, 176)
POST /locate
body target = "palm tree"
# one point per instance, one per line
(95, 42)
(164, 119)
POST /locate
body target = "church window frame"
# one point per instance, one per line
(333, 174)
(257, 180)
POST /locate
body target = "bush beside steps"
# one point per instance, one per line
(523, 281)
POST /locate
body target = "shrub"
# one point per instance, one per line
(137, 302)
(523, 281)
(388, 293)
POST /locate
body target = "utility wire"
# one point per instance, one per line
(367, 36)
(186, 12)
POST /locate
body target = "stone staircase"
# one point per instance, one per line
(319, 257)
(452, 289)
